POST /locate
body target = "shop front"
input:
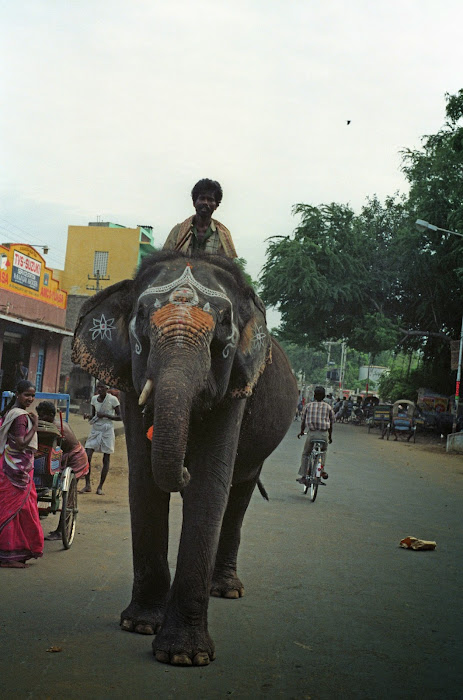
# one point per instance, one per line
(32, 319)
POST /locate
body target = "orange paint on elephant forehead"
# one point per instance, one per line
(182, 314)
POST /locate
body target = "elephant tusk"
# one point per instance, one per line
(147, 389)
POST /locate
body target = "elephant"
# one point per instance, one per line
(186, 342)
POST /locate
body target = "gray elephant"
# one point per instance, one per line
(185, 340)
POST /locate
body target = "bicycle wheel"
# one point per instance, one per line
(313, 480)
(69, 513)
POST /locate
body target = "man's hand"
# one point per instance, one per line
(330, 440)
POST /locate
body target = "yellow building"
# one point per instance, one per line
(101, 254)
(97, 256)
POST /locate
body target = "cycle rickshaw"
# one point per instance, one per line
(56, 486)
(380, 416)
(402, 420)
(55, 483)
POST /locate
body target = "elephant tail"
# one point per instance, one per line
(262, 490)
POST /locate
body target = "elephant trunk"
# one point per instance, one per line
(180, 363)
(172, 406)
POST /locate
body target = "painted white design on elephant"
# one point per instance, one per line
(233, 338)
(258, 337)
(187, 279)
(102, 327)
(183, 293)
(132, 331)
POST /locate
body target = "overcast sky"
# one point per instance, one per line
(115, 109)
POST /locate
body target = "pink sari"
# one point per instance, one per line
(21, 534)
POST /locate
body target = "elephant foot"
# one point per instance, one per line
(227, 586)
(136, 618)
(180, 646)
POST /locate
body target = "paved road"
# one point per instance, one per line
(333, 607)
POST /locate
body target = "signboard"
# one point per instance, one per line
(26, 271)
(454, 353)
(23, 271)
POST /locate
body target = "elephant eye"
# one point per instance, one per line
(142, 319)
(224, 317)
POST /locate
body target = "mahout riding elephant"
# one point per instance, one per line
(186, 340)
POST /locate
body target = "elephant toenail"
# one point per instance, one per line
(201, 659)
(181, 660)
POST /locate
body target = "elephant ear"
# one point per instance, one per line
(253, 353)
(101, 344)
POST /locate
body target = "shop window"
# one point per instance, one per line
(100, 262)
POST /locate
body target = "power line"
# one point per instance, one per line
(30, 238)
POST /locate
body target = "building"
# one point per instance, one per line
(97, 256)
(101, 254)
(32, 319)
(372, 372)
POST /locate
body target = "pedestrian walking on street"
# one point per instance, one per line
(105, 410)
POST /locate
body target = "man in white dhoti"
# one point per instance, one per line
(105, 410)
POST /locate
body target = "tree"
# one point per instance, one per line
(332, 280)
(371, 278)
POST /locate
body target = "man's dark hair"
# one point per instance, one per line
(46, 407)
(207, 185)
(319, 393)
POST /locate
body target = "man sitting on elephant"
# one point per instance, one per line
(201, 231)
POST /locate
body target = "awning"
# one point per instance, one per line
(33, 324)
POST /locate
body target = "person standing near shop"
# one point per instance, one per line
(21, 535)
(105, 410)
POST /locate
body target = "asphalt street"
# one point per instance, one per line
(334, 608)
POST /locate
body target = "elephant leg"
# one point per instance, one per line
(149, 511)
(184, 638)
(225, 582)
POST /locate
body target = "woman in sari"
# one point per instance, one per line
(21, 535)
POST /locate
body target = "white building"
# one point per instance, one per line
(373, 372)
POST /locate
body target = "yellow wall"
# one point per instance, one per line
(122, 244)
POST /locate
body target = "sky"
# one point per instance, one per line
(113, 110)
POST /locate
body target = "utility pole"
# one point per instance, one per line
(96, 279)
(343, 365)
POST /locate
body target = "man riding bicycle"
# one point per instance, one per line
(318, 417)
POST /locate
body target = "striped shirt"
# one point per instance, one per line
(317, 415)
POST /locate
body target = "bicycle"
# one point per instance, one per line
(314, 469)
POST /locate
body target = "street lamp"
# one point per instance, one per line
(423, 226)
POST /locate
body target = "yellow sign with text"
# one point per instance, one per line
(23, 271)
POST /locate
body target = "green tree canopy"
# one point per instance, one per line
(371, 278)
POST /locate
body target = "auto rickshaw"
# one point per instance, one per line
(402, 420)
